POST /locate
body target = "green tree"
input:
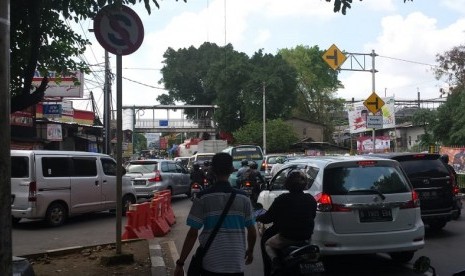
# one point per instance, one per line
(41, 39)
(214, 75)
(279, 135)
(343, 5)
(450, 123)
(317, 86)
(140, 142)
(425, 118)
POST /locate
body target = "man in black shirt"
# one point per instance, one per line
(292, 214)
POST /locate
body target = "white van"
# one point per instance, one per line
(54, 185)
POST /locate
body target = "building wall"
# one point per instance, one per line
(304, 129)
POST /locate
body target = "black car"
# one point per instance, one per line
(434, 184)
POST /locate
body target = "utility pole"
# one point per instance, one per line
(107, 106)
(6, 245)
(264, 120)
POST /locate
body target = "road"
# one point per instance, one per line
(445, 249)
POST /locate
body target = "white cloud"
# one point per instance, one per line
(405, 47)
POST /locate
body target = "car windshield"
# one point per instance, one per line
(345, 180)
(141, 168)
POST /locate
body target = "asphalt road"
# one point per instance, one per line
(446, 249)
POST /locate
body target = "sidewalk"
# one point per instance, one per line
(163, 254)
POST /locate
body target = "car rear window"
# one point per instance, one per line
(203, 158)
(424, 168)
(345, 180)
(141, 167)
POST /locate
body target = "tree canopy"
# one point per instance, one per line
(317, 86)
(213, 75)
(41, 39)
(279, 135)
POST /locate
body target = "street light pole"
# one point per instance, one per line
(264, 121)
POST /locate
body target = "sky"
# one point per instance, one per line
(405, 36)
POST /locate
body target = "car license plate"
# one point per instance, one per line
(139, 182)
(308, 268)
(428, 195)
(375, 215)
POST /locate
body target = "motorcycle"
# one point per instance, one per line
(302, 259)
(252, 190)
(197, 187)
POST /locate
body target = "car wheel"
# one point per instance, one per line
(437, 226)
(127, 201)
(56, 214)
(402, 257)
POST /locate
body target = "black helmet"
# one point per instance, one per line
(296, 181)
(253, 165)
(196, 166)
(244, 162)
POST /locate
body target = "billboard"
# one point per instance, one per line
(358, 115)
(71, 85)
(365, 144)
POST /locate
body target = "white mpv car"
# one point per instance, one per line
(365, 205)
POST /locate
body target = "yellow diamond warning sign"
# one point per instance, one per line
(373, 103)
(334, 57)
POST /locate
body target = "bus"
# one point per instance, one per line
(241, 152)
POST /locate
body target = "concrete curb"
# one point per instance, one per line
(163, 254)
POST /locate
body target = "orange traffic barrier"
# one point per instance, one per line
(138, 222)
(159, 225)
(169, 214)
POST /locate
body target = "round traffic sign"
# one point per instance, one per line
(118, 29)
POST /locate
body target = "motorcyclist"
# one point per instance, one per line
(197, 175)
(209, 175)
(242, 169)
(292, 214)
(279, 163)
(255, 177)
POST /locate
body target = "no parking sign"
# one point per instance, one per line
(118, 29)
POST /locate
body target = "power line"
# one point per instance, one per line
(409, 61)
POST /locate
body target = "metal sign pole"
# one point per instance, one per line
(373, 72)
(119, 148)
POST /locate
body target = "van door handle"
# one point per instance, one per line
(96, 182)
(104, 181)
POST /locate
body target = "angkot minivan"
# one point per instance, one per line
(54, 185)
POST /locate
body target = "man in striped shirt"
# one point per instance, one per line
(231, 244)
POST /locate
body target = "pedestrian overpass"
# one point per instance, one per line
(160, 118)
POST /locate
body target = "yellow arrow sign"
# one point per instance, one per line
(334, 57)
(373, 103)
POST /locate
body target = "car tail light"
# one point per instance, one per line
(264, 166)
(247, 184)
(366, 163)
(156, 178)
(32, 197)
(413, 203)
(456, 190)
(195, 186)
(325, 204)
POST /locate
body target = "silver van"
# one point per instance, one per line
(54, 185)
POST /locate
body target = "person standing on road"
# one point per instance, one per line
(226, 254)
